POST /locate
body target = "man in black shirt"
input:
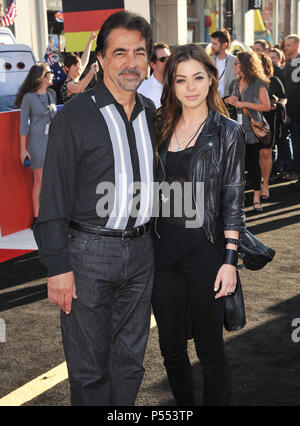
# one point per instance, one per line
(291, 75)
(93, 228)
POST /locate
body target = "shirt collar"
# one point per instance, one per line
(103, 97)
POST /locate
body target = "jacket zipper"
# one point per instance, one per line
(211, 182)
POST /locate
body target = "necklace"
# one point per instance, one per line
(184, 150)
(187, 140)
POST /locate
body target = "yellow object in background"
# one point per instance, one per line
(213, 28)
(76, 42)
(259, 25)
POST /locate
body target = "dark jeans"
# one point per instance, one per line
(106, 333)
(188, 286)
(252, 165)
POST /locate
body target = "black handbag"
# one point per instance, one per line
(234, 314)
(255, 253)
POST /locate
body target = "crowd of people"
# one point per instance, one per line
(262, 83)
(189, 123)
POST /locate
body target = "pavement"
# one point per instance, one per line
(264, 357)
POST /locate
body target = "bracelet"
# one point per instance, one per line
(231, 257)
(233, 241)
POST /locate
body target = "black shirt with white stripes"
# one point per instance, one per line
(99, 169)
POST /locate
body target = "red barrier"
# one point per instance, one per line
(16, 212)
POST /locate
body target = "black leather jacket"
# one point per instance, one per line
(218, 161)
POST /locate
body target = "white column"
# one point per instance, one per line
(32, 26)
(23, 23)
(138, 6)
(182, 22)
(171, 21)
(249, 28)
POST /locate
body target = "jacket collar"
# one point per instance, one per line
(210, 129)
(212, 123)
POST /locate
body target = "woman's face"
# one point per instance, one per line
(48, 77)
(192, 83)
(75, 70)
(274, 58)
(237, 67)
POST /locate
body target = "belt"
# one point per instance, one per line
(106, 232)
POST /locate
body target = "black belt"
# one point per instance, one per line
(106, 232)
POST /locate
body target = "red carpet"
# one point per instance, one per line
(7, 254)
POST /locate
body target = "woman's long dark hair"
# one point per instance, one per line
(32, 82)
(169, 113)
(251, 67)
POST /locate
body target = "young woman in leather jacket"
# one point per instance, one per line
(200, 155)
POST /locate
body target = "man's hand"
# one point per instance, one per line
(61, 291)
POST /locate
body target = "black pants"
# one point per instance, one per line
(106, 333)
(252, 165)
(188, 285)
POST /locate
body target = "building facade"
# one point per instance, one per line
(173, 21)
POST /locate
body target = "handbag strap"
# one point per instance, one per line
(247, 113)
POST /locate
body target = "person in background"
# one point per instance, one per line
(38, 107)
(223, 60)
(250, 91)
(277, 57)
(291, 162)
(74, 66)
(260, 46)
(152, 87)
(194, 272)
(278, 60)
(275, 117)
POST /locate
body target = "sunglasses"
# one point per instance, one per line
(162, 59)
(48, 72)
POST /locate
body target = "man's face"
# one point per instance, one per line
(159, 66)
(291, 47)
(125, 62)
(217, 47)
(257, 47)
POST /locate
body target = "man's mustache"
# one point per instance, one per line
(130, 71)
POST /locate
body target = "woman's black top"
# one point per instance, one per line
(176, 239)
(275, 118)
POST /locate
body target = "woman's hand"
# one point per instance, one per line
(94, 68)
(239, 104)
(94, 35)
(231, 100)
(226, 281)
(23, 154)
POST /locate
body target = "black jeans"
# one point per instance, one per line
(106, 333)
(252, 165)
(188, 286)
